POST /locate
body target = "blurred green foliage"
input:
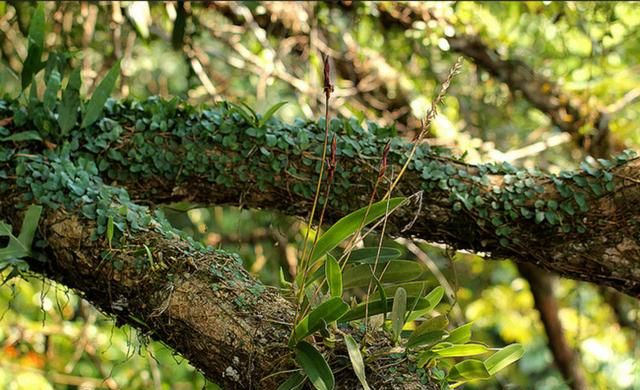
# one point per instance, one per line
(50, 338)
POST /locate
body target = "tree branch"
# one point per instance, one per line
(583, 225)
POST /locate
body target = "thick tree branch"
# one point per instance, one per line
(200, 302)
(584, 225)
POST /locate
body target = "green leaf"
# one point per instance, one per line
(581, 201)
(427, 339)
(356, 360)
(350, 224)
(20, 246)
(368, 255)
(68, 106)
(100, 96)
(110, 230)
(398, 311)
(439, 322)
(334, 276)
(467, 370)
(283, 281)
(33, 64)
(413, 289)
(433, 298)
(460, 350)
(23, 136)
(244, 114)
(294, 382)
(379, 307)
(326, 312)
(314, 365)
(51, 92)
(270, 112)
(461, 334)
(396, 271)
(503, 358)
(383, 296)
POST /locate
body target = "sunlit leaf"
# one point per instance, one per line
(413, 289)
(68, 106)
(328, 311)
(398, 311)
(396, 271)
(20, 246)
(369, 255)
(270, 112)
(315, 366)
(461, 334)
(461, 350)
(434, 298)
(378, 307)
(469, 369)
(33, 64)
(356, 360)
(334, 276)
(349, 225)
(439, 322)
(427, 339)
(503, 358)
(100, 96)
(294, 382)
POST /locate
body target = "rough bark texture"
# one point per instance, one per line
(201, 302)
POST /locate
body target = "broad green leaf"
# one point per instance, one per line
(20, 246)
(270, 112)
(398, 311)
(368, 255)
(503, 358)
(334, 276)
(434, 297)
(396, 271)
(461, 334)
(68, 106)
(467, 370)
(379, 307)
(51, 91)
(439, 322)
(23, 136)
(349, 225)
(424, 358)
(427, 339)
(413, 289)
(328, 311)
(294, 382)
(314, 365)
(33, 64)
(100, 96)
(356, 360)
(461, 350)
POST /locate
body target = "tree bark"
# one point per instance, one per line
(201, 302)
(215, 157)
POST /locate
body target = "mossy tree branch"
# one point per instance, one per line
(584, 225)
